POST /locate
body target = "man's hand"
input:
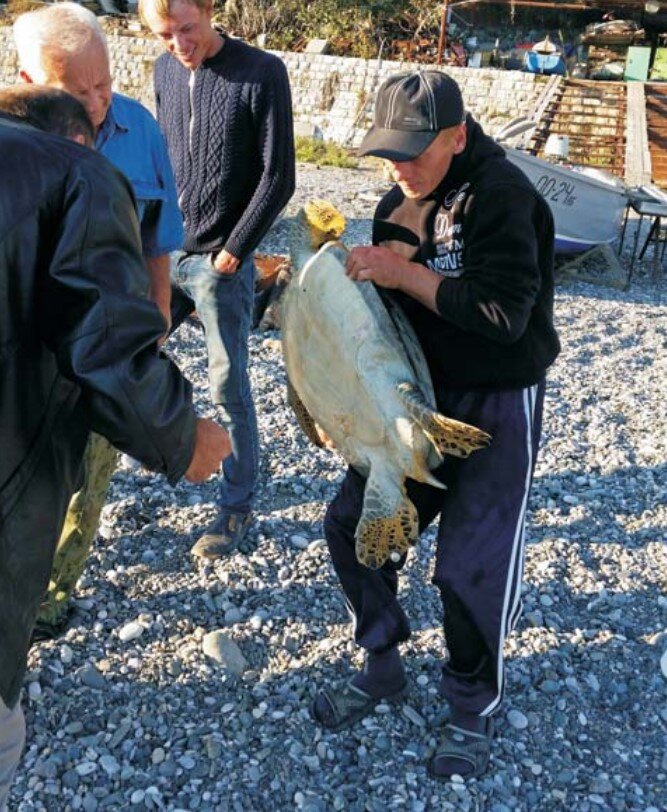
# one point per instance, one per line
(212, 445)
(390, 270)
(376, 264)
(226, 263)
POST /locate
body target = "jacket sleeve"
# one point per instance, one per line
(275, 143)
(104, 332)
(496, 294)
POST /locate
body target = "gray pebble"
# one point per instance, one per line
(517, 719)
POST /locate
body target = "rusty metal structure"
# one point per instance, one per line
(656, 120)
(622, 6)
(592, 116)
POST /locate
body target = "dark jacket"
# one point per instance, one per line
(230, 136)
(490, 235)
(77, 351)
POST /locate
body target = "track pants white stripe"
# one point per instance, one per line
(512, 599)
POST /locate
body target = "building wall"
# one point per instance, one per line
(332, 96)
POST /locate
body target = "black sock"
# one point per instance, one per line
(383, 673)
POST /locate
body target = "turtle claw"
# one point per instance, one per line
(389, 538)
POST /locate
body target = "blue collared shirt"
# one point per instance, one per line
(131, 139)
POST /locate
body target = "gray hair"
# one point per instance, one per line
(63, 28)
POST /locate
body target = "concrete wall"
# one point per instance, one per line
(332, 95)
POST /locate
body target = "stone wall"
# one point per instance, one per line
(332, 96)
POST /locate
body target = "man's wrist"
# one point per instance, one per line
(406, 275)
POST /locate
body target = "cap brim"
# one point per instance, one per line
(396, 145)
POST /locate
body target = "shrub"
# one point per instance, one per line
(323, 153)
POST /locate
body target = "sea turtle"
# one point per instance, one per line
(355, 368)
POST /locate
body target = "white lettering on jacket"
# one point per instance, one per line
(447, 236)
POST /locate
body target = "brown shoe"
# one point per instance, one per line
(223, 536)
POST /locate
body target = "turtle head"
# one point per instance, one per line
(316, 223)
(324, 222)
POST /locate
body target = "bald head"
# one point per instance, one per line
(64, 46)
(48, 109)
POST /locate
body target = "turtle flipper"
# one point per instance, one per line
(447, 435)
(388, 525)
(303, 416)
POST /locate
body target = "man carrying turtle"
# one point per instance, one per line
(226, 111)
(464, 243)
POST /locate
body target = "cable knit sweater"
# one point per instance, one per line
(229, 131)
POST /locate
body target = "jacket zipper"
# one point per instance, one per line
(191, 128)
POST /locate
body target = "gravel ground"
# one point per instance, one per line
(131, 708)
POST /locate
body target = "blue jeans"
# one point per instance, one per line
(224, 304)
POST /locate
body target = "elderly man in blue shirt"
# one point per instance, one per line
(63, 46)
(131, 139)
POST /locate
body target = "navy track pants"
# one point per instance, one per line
(480, 546)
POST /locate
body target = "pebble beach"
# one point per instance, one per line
(183, 685)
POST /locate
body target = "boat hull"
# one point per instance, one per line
(545, 64)
(587, 205)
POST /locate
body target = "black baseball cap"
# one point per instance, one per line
(410, 110)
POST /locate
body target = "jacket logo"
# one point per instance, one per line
(448, 245)
(456, 195)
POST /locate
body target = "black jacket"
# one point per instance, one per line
(77, 351)
(490, 235)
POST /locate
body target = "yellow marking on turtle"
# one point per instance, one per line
(325, 222)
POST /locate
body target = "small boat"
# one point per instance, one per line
(545, 58)
(544, 64)
(587, 203)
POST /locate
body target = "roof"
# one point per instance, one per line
(602, 5)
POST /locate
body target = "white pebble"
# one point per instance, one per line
(34, 690)
(130, 631)
(66, 654)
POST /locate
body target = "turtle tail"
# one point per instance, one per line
(449, 436)
(388, 525)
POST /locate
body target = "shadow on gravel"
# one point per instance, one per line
(636, 294)
(575, 701)
(617, 507)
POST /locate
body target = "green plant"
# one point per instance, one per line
(353, 29)
(323, 153)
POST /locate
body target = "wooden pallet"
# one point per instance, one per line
(656, 121)
(593, 118)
